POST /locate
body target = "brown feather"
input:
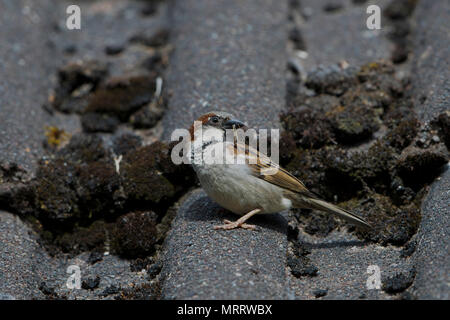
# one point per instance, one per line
(260, 163)
(294, 188)
(203, 119)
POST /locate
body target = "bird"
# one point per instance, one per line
(248, 187)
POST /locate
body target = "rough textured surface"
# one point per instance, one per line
(398, 270)
(432, 97)
(36, 45)
(333, 36)
(27, 59)
(230, 55)
(342, 262)
(203, 263)
(28, 272)
(23, 261)
(431, 58)
(433, 244)
(225, 61)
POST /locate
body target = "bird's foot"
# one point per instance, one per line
(233, 225)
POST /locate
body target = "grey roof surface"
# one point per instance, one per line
(32, 50)
(230, 55)
(28, 65)
(432, 63)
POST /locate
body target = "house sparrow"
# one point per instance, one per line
(246, 188)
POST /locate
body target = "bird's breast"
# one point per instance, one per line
(233, 187)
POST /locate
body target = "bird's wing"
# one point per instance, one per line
(264, 168)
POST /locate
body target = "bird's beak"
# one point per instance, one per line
(233, 124)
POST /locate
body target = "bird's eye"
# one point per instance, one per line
(215, 119)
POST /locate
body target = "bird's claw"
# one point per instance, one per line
(233, 225)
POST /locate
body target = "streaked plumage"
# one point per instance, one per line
(242, 188)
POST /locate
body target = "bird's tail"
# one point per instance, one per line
(331, 208)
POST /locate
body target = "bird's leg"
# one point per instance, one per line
(239, 223)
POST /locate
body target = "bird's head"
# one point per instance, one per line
(215, 123)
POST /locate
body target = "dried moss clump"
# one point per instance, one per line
(135, 234)
(76, 81)
(99, 122)
(116, 101)
(392, 224)
(402, 134)
(149, 115)
(147, 291)
(298, 261)
(96, 186)
(398, 282)
(355, 141)
(122, 95)
(143, 176)
(55, 195)
(83, 148)
(149, 174)
(77, 183)
(308, 127)
(125, 143)
(81, 189)
(317, 223)
(418, 167)
(443, 123)
(353, 123)
(374, 167)
(346, 107)
(332, 79)
(91, 238)
(16, 191)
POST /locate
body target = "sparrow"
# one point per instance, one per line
(246, 188)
